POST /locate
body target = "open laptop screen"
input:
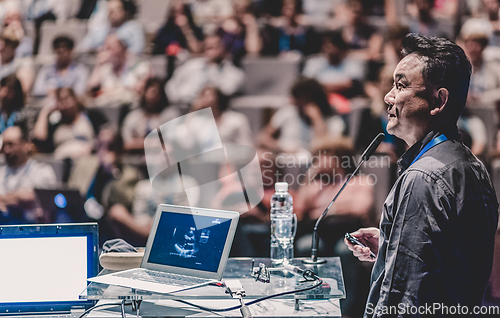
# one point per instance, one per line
(190, 241)
(45, 267)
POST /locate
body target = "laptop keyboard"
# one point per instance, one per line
(163, 278)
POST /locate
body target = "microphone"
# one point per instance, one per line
(315, 237)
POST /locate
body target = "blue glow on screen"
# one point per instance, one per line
(60, 201)
(189, 241)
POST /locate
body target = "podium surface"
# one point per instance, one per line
(322, 301)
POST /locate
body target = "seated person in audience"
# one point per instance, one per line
(65, 72)
(12, 103)
(393, 45)
(63, 128)
(23, 67)
(19, 176)
(310, 117)
(484, 89)
(425, 22)
(179, 32)
(37, 12)
(489, 21)
(338, 73)
(363, 39)
(212, 69)
(473, 133)
(13, 21)
(240, 33)
(121, 23)
(154, 110)
(334, 161)
(103, 179)
(233, 127)
(287, 33)
(118, 77)
(133, 224)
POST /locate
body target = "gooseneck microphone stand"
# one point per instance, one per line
(315, 238)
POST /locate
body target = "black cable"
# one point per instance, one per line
(255, 300)
(86, 312)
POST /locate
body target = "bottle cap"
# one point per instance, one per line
(281, 186)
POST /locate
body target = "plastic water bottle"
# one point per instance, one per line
(283, 224)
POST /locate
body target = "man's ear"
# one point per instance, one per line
(440, 101)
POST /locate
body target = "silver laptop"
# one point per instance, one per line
(45, 267)
(187, 247)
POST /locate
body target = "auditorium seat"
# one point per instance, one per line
(152, 14)
(269, 76)
(61, 167)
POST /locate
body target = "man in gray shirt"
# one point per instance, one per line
(435, 244)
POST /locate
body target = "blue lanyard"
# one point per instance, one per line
(434, 142)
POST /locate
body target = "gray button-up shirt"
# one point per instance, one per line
(436, 234)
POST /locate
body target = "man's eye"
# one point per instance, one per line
(400, 85)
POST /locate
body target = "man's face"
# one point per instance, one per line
(67, 105)
(214, 50)
(116, 13)
(63, 55)
(16, 149)
(407, 101)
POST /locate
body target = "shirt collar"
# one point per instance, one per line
(407, 158)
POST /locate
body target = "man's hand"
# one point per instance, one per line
(369, 237)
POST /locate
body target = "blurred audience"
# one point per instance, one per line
(233, 127)
(484, 86)
(12, 103)
(211, 69)
(179, 32)
(120, 22)
(133, 223)
(19, 177)
(154, 110)
(426, 23)
(65, 72)
(363, 39)
(288, 34)
(23, 67)
(393, 47)
(338, 73)
(488, 20)
(118, 77)
(240, 32)
(292, 128)
(63, 128)
(13, 21)
(473, 133)
(334, 162)
(103, 179)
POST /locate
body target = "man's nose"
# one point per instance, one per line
(389, 98)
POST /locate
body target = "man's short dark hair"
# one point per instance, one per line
(63, 40)
(130, 8)
(336, 38)
(23, 128)
(13, 82)
(445, 65)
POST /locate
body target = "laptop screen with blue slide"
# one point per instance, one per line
(44, 268)
(190, 241)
